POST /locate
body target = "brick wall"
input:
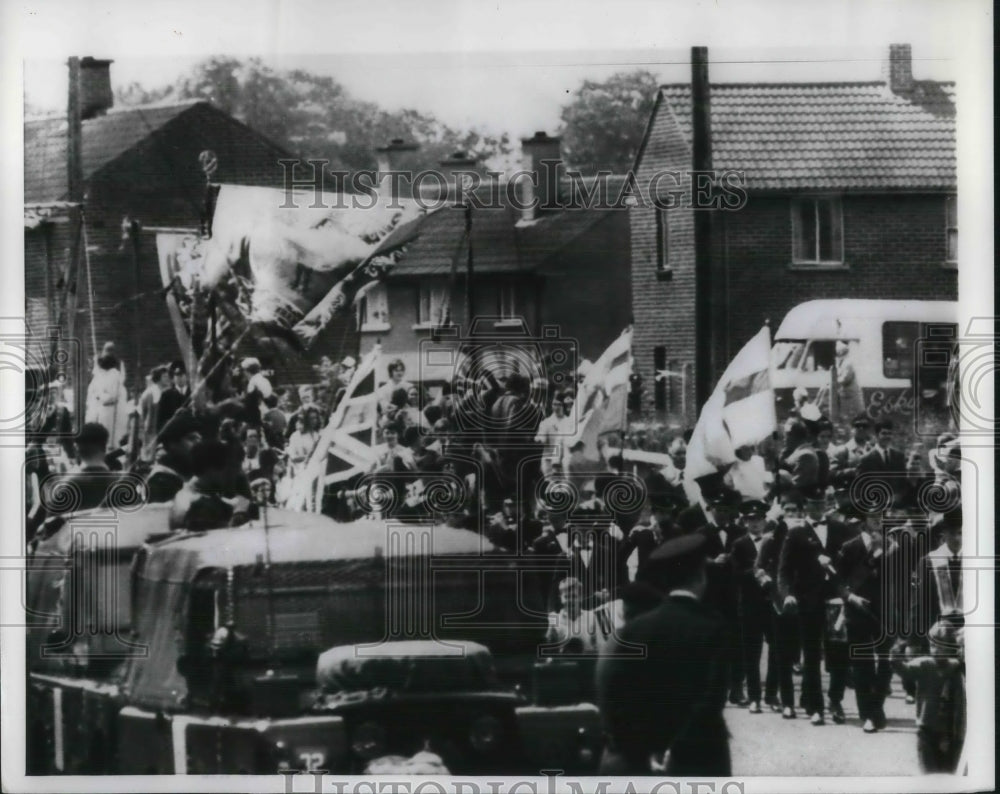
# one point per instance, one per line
(586, 288)
(663, 307)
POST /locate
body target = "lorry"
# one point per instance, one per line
(292, 643)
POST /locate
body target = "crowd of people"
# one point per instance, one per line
(820, 541)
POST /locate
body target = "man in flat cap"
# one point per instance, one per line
(662, 712)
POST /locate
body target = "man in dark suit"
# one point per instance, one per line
(174, 397)
(861, 564)
(663, 713)
(753, 604)
(886, 464)
(807, 580)
(783, 651)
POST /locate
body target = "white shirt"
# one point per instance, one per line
(822, 531)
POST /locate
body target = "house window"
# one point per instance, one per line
(506, 303)
(373, 308)
(660, 379)
(662, 241)
(432, 305)
(817, 231)
(951, 228)
(899, 341)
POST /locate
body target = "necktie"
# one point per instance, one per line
(955, 574)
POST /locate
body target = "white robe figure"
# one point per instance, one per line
(106, 401)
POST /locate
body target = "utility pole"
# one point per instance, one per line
(469, 283)
(702, 162)
(74, 182)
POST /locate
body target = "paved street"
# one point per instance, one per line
(765, 744)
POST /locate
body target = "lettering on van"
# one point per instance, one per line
(881, 403)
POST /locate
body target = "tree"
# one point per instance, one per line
(604, 123)
(314, 116)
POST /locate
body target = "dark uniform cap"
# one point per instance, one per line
(861, 420)
(680, 551)
(753, 508)
(841, 481)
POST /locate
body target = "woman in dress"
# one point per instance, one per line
(106, 395)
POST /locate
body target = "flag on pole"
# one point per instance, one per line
(346, 446)
(602, 398)
(739, 412)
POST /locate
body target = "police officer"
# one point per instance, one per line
(662, 712)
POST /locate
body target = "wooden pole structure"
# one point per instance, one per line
(74, 181)
(469, 285)
(702, 162)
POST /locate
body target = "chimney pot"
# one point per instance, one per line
(899, 68)
(539, 153)
(96, 97)
(395, 156)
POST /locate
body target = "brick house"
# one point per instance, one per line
(140, 163)
(566, 267)
(850, 193)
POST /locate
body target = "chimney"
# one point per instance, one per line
(96, 97)
(543, 159)
(899, 69)
(455, 162)
(395, 156)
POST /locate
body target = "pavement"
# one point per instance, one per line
(767, 745)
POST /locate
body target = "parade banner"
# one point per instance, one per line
(739, 412)
(301, 257)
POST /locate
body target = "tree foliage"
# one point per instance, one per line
(603, 124)
(314, 116)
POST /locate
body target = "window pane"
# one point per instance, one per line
(663, 239)
(424, 305)
(898, 348)
(953, 245)
(828, 218)
(951, 211)
(804, 231)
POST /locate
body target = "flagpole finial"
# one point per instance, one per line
(767, 322)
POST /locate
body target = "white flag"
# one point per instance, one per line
(739, 412)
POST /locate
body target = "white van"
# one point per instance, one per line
(900, 352)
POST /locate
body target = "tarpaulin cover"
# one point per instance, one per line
(407, 666)
(79, 580)
(327, 584)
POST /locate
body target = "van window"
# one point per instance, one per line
(899, 341)
(819, 356)
(786, 354)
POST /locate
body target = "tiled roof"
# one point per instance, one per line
(829, 135)
(105, 138)
(499, 244)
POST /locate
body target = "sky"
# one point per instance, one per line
(498, 67)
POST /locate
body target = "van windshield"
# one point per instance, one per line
(787, 354)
